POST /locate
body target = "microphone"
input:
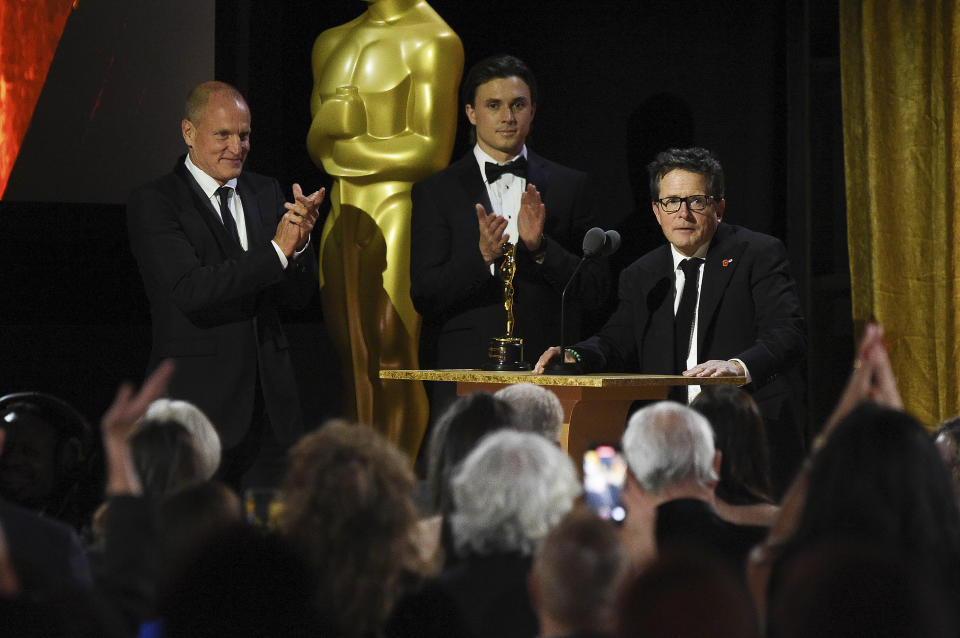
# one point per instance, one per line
(611, 243)
(596, 242)
(593, 242)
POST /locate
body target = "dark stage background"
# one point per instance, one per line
(757, 81)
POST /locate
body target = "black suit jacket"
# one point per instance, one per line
(748, 310)
(460, 301)
(214, 305)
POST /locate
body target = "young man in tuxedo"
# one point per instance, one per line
(499, 192)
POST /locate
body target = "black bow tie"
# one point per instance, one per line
(494, 171)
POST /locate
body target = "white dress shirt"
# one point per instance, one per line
(209, 187)
(504, 193)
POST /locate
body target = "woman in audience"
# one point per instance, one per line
(205, 439)
(874, 474)
(745, 491)
(347, 507)
(456, 433)
(879, 478)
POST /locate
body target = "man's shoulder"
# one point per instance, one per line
(171, 187)
(555, 168)
(255, 181)
(28, 526)
(653, 261)
(731, 233)
(462, 166)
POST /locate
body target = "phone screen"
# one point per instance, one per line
(604, 474)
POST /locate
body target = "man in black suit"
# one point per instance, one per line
(742, 313)
(669, 490)
(499, 192)
(218, 255)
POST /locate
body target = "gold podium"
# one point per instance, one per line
(594, 405)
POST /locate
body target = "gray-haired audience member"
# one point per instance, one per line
(538, 410)
(577, 575)
(669, 447)
(670, 487)
(508, 494)
(196, 423)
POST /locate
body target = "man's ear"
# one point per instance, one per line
(189, 132)
(717, 460)
(471, 114)
(3, 435)
(721, 207)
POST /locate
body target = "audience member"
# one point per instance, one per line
(948, 442)
(347, 506)
(744, 490)
(45, 553)
(509, 492)
(576, 577)
(48, 460)
(243, 583)
(538, 410)
(166, 458)
(686, 593)
(670, 487)
(879, 478)
(205, 437)
(848, 589)
(193, 515)
(456, 433)
(875, 474)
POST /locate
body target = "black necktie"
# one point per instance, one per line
(494, 171)
(683, 322)
(224, 193)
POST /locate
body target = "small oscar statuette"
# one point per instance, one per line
(506, 352)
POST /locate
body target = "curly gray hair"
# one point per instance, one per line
(510, 492)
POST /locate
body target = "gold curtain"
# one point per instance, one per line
(901, 133)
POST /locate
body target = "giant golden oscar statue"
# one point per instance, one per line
(384, 109)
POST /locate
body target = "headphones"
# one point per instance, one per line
(75, 440)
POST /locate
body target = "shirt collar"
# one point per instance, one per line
(679, 256)
(207, 184)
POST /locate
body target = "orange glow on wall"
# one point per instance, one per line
(29, 33)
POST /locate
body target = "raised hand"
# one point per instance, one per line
(531, 217)
(492, 235)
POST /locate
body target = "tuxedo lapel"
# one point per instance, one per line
(201, 204)
(471, 180)
(722, 261)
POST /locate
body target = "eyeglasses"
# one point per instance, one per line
(695, 203)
